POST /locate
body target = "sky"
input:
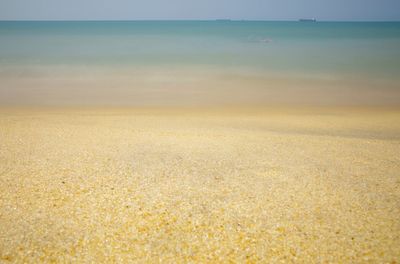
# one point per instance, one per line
(347, 10)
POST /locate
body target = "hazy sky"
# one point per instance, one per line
(199, 9)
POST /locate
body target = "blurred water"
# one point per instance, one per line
(311, 48)
(192, 61)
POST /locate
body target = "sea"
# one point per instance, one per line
(199, 63)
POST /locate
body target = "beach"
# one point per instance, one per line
(147, 184)
(199, 142)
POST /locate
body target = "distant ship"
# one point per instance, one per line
(223, 20)
(307, 20)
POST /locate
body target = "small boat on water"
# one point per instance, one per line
(307, 20)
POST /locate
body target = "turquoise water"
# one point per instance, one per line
(197, 62)
(370, 49)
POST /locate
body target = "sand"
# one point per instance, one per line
(305, 185)
(188, 86)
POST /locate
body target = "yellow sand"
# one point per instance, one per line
(191, 185)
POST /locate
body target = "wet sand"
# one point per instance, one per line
(175, 185)
(191, 86)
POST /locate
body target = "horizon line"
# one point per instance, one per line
(194, 20)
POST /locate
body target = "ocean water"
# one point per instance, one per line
(156, 61)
